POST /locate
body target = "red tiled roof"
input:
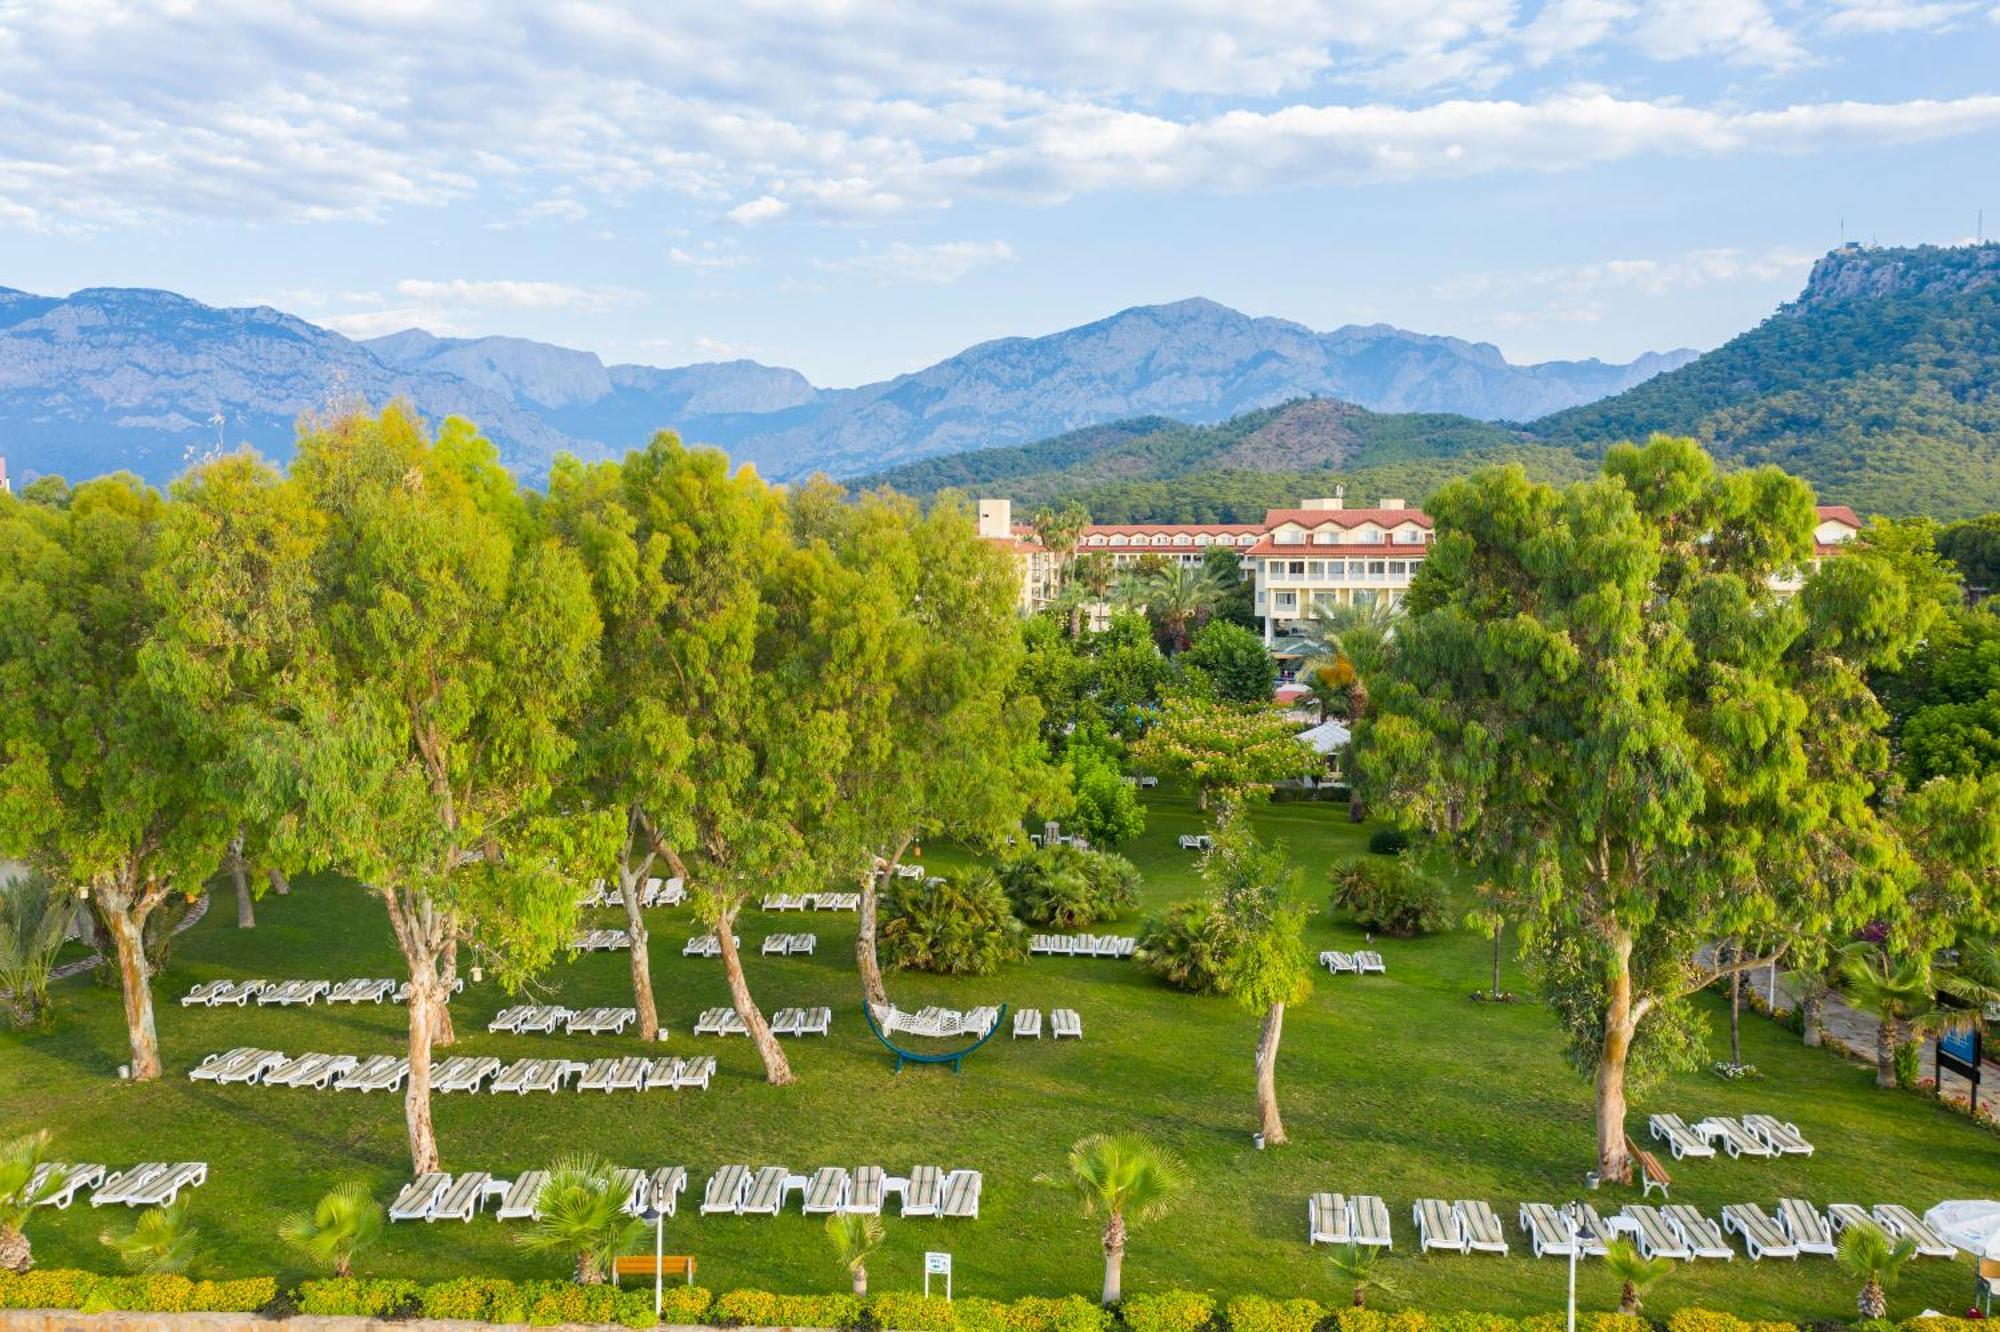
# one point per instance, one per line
(1302, 550)
(1345, 517)
(1172, 529)
(1838, 513)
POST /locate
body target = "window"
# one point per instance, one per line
(1326, 536)
(1182, 538)
(1398, 569)
(1375, 568)
(1316, 570)
(1296, 569)
(1203, 539)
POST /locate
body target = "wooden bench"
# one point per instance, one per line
(1652, 1174)
(641, 1265)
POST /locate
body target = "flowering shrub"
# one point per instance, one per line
(1169, 1311)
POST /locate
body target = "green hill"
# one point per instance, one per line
(1880, 385)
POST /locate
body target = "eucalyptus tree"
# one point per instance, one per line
(104, 786)
(1599, 700)
(1266, 967)
(454, 641)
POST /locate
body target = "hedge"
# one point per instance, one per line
(545, 1302)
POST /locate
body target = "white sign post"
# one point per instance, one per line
(937, 1264)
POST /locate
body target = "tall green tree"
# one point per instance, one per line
(1129, 1179)
(1266, 968)
(103, 787)
(1179, 599)
(1223, 748)
(1233, 661)
(1599, 701)
(455, 641)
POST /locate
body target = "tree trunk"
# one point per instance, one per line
(777, 1070)
(127, 934)
(1114, 1258)
(642, 963)
(1872, 1304)
(1268, 1123)
(1736, 1018)
(1812, 1014)
(860, 1280)
(1360, 1296)
(15, 1254)
(1357, 708)
(1628, 1300)
(1619, 1025)
(1885, 1051)
(1499, 928)
(239, 877)
(424, 1001)
(442, 1031)
(865, 956)
(279, 883)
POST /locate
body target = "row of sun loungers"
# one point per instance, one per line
(1676, 1231)
(286, 993)
(154, 1184)
(524, 1018)
(360, 990)
(1196, 842)
(1062, 1022)
(1082, 945)
(596, 1021)
(458, 1073)
(927, 1191)
(802, 1022)
(600, 941)
(784, 944)
(720, 1022)
(818, 901)
(936, 1022)
(209, 994)
(706, 945)
(1752, 1135)
(654, 892)
(1358, 963)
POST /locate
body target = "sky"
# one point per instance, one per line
(860, 189)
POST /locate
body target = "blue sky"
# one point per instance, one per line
(858, 189)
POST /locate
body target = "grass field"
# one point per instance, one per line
(1398, 1086)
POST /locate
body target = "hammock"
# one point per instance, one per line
(952, 1057)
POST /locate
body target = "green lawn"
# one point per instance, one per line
(1398, 1086)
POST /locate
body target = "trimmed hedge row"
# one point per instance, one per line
(544, 1302)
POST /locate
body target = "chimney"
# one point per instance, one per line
(1388, 503)
(996, 518)
(1327, 505)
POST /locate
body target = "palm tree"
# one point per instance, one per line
(1898, 992)
(1130, 1179)
(1179, 598)
(854, 1236)
(1357, 634)
(1867, 1252)
(1634, 1272)
(1359, 1265)
(343, 1223)
(1327, 684)
(34, 920)
(18, 1162)
(161, 1240)
(582, 1215)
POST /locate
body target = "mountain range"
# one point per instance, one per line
(109, 378)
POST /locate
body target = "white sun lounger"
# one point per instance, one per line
(418, 1197)
(1682, 1141)
(961, 1193)
(377, 1073)
(554, 1074)
(251, 1067)
(776, 945)
(238, 993)
(726, 1190)
(514, 1077)
(634, 1185)
(203, 994)
(600, 1020)
(464, 1073)
(210, 1065)
(1762, 1236)
(864, 1192)
(1843, 1215)
(1481, 1228)
(1702, 1236)
(1368, 1221)
(1065, 1022)
(1597, 1232)
(55, 1183)
(826, 1191)
(785, 1022)
(461, 1201)
(1736, 1139)
(362, 990)
(295, 992)
(597, 1077)
(1547, 1231)
(1806, 1227)
(661, 1072)
(518, 1203)
(1326, 1219)
(767, 1192)
(1336, 961)
(1902, 1223)
(119, 1186)
(1650, 1231)
(1783, 1136)
(1437, 1226)
(664, 1188)
(696, 1072)
(1367, 962)
(920, 1195)
(1028, 1022)
(162, 1189)
(509, 1019)
(816, 1022)
(309, 1070)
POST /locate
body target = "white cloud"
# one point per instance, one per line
(707, 256)
(1883, 16)
(764, 208)
(1579, 292)
(506, 294)
(942, 263)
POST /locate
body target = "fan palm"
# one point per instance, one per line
(1130, 1179)
(340, 1225)
(854, 1237)
(1360, 1266)
(18, 1161)
(1898, 992)
(1867, 1252)
(582, 1215)
(1179, 598)
(34, 920)
(1357, 635)
(161, 1240)
(1633, 1271)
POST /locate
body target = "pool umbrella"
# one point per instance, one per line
(1972, 1225)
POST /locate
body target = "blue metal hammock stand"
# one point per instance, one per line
(952, 1057)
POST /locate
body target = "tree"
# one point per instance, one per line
(1105, 803)
(439, 607)
(1897, 991)
(1234, 662)
(1633, 1272)
(1237, 604)
(958, 926)
(1354, 644)
(1974, 547)
(1266, 967)
(1359, 1266)
(1944, 703)
(103, 787)
(160, 1239)
(854, 1237)
(341, 1224)
(1489, 917)
(1222, 748)
(35, 918)
(19, 1160)
(580, 1214)
(1179, 599)
(1129, 1179)
(1058, 530)
(1867, 1252)
(1598, 699)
